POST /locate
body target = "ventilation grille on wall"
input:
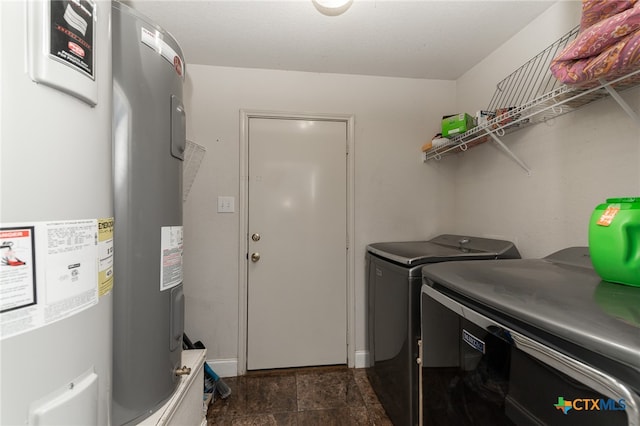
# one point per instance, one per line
(193, 156)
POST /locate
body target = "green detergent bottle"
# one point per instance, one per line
(614, 240)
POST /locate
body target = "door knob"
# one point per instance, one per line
(255, 257)
(255, 237)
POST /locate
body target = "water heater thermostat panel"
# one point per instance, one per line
(178, 128)
(62, 46)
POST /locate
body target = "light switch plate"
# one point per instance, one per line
(226, 204)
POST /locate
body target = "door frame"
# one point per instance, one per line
(243, 202)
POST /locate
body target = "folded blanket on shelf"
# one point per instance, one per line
(608, 45)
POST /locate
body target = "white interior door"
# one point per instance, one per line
(297, 234)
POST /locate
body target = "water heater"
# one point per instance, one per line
(149, 144)
(56, 213)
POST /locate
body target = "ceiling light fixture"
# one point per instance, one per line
(332, 7)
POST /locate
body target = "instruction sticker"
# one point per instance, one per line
(171, 262)
(61, 283)
(71, 275)
(609, 214)
(72, 34)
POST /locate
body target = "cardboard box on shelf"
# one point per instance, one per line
(456, 124)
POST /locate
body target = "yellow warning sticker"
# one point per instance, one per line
(105, 256)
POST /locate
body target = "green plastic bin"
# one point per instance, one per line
(614, 240)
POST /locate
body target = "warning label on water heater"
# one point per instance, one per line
(72, 34)
(48, 272)
(17, 268)
(105, 253)
(171, 262)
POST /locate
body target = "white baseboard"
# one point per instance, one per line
(224, 367)
(362, 359)
(229, 367)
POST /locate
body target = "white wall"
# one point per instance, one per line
(577, 160)
(397, 197)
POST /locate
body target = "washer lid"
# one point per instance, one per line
(560, 295)
(445, 247)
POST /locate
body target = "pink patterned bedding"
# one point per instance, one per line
(607, 46)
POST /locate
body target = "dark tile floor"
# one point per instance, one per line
(305, 397)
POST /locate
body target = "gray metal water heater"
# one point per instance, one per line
(149, 142)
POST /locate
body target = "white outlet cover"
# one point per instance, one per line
(226, 204)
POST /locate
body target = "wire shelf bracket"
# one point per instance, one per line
(510, 153)
(623, 104)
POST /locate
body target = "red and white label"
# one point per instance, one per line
(76, 49)
(177, 64)
(608, 216)
(15, 234)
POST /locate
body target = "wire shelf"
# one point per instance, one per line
(532, 79)
(532, 95)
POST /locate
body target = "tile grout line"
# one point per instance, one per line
(297, 397)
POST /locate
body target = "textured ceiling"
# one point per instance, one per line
(419, 39)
